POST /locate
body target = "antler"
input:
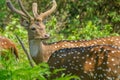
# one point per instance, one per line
(12, 8)
(34, 9)
(45, 14)
(22, 13)
(23, 9)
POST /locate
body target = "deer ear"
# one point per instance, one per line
(24, 22)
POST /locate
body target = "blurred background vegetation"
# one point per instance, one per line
(72, 20)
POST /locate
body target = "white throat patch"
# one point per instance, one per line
(34, 48)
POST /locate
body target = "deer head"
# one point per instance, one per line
(34, 25)
(36, 29)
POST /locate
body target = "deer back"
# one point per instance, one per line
(7, 44)
(33, 24)
(114, 40)
(52, 47)
(100, 62)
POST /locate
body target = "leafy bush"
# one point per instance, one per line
(13, 70)
(16, 70)
(92, 31)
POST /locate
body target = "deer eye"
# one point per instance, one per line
(33, 28)
(26, 23)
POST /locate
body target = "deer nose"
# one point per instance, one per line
(47, 35)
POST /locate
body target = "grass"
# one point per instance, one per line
(13, 69)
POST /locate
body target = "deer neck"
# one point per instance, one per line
(41, 52)
(36, 50)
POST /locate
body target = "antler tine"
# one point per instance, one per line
(23, 9)
(34, 9)
(45, 14)
(12, 8)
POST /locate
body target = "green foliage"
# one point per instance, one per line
(92, 31)
(16, 70)
(2, 9)
(114, 16)
(67, 77)
(12, 70)
(74, 20)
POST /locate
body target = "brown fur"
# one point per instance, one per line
(100, 62)
(6, 44)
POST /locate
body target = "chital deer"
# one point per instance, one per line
(35, 27)
(99, 62)
(6, 44)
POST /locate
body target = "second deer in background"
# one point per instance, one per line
(6, 44)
